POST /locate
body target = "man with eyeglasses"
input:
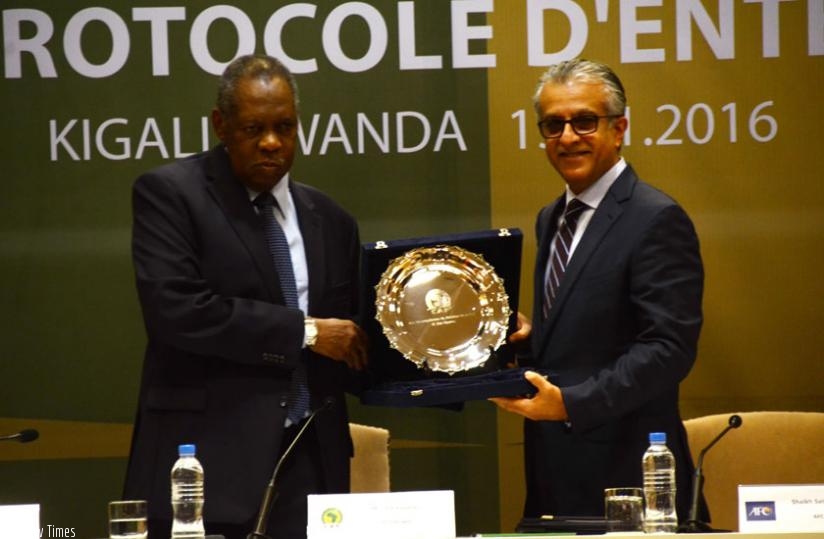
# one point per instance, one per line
(617, 308)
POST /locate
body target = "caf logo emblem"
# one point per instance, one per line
(332, 516)
(438, 301)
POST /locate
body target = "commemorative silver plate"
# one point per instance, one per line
(444, 308)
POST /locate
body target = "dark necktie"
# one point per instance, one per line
(298, 401)
(559, 253)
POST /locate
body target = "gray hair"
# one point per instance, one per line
(586, 71)
(252, 66)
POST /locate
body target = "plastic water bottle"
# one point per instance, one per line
(659, 486)
(187, 495)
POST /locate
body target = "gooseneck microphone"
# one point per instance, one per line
(271, 494)
(693, 525)
(24, 436)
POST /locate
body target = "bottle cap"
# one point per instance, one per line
(186, 450)
(658, 437)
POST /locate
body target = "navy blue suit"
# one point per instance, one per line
(621, 335)
(221, 343)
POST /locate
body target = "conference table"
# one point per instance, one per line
(635, 535)
(731, 535)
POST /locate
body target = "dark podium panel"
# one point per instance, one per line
(399, 381)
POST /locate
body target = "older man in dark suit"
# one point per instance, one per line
(617, 312)
(247, 281)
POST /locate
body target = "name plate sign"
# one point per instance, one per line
(20, 521)
(395, 515)
(781, 508)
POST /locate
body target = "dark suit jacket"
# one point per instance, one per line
(619, 338)
(221, 345)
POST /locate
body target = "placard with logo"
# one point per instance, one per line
(781, 508)
(395, 515)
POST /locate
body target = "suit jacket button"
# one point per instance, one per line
(282, 402)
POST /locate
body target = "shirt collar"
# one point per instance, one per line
(595, 193)
(280, 191)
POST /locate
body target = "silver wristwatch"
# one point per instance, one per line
(310, 332)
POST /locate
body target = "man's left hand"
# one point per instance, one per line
(342, 340)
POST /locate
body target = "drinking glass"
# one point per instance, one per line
(624, 509)
(127, 519)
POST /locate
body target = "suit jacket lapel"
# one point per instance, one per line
(233, 198)
(607, 213)
(313, 241)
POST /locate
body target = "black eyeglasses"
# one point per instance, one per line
(582, 125)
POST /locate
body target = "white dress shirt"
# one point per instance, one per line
(592, 197)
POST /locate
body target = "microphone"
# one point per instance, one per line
(24, 436)
(693, 525)
(270, 495)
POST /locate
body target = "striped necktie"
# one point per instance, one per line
(298, 400)
(559, 253)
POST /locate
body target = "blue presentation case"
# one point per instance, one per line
(401, 383)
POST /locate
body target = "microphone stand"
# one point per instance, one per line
(271, 494)
(693, 525)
